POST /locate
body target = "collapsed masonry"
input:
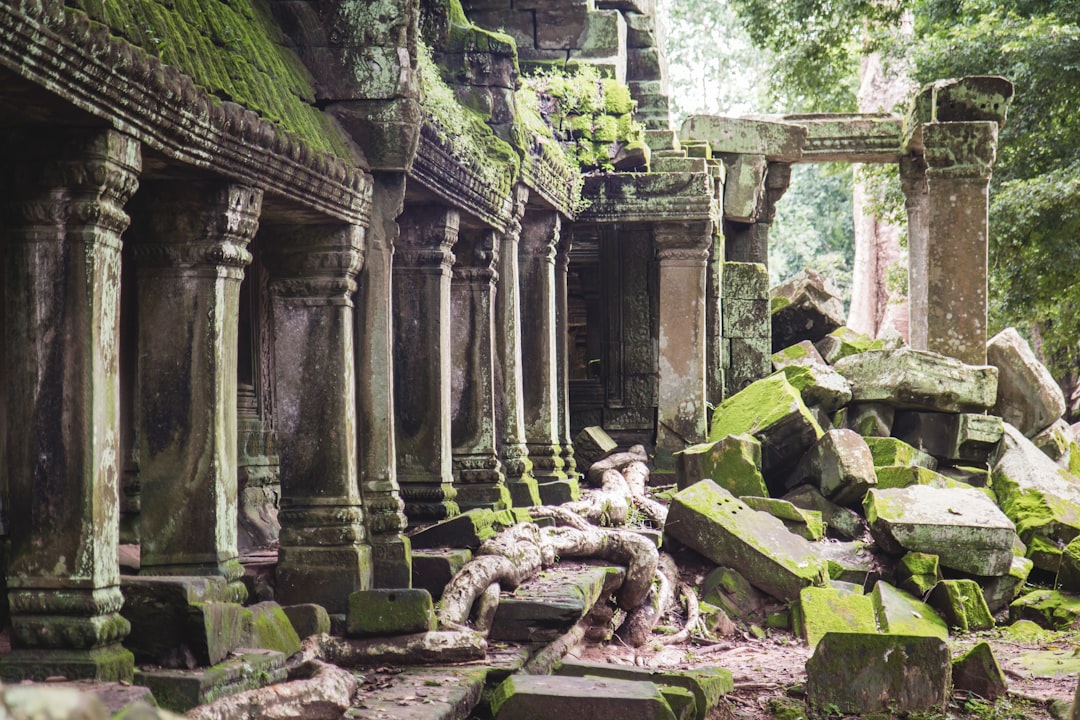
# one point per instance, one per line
(307, 273)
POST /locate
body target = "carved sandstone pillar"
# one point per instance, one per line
(539, 351)
(683, 250)
(323, 556)
(62, 334)
(510, 414)
(192, 252)
(562, 338)
(959, 157)
(913, 183)
(422, 337)
(478, 474)
(383, 507)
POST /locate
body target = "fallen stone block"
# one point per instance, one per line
(733, 463)
(773, 412)
(546, 606)
(974, 476)
(829, 609)
(271, 629)
(1068, 575)
(844, 341)
(1001, 590)
(806, 307)
(805, 523)
(432, 569)
(977, 671)
(839, 521)
(1050, 609)
(1040, 497)
(867, 419)
(1056, 441)
(801, 353)
(397, 611)
(180, 690)
(892, 477)
(953, 437)
(918, 573)
(918, 380)
(1028, 397)
(708, 685)
(728, 590)
(819, 385)
(962, 604)
(841, 465)
(900, 613)
(963, 527)
(592, 444)
(308, 619)
(862, 673)
(542, 697)
(855, 562)
(710, 520)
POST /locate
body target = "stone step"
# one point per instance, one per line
(541, 697)
(181, 690)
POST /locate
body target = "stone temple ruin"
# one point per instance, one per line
(310, 275)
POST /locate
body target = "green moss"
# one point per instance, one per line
(761, 404)
(777, 303)
(232, 50)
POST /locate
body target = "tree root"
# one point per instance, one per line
(315, 690)
(639, 622)
(693, 616)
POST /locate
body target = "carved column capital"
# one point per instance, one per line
(428, 235)
(477, 258)
(316, 262)
(683, 243)
(913, 177)
(960, 149)
(777, 180)
(540, 234)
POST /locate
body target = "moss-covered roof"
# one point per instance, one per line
(233, 50)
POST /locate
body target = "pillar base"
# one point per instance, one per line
(322, 575)
(427, 502)
(391, 561)
(111, 663)
(489, 497)
(547, 463)
(524, 492)
(231, 571)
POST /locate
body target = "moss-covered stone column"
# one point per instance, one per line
(959, 157)
(509, 410)
(683, 250)
(916, 201)
(422, 341)
(539, 350)
(62, 224)
(562, 338)
(323, 556)
(192, 251)
(478, 474)
(383, 507)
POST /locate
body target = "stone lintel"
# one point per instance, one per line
(776, 139)
(976, 98)
(850, 137)
(649, 197)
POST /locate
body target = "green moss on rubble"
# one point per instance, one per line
(233, 50)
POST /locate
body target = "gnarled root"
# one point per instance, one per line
(693, 615)
(315, 690)
(629, 549)
(639, 622)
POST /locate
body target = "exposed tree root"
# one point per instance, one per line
(639, 622)
(617, 461)
(693, 616)
(315, 690)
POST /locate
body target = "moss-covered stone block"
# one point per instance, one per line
(841, 465)
(536, 697)
(839, 521)
(1068, 576)
(398, 611)
(899, 613)
(867, 419)
(733, 463)
(467, 530)
(707, 685)
(861, 673)
(728, 590)
(1051, 609)
(181, 690)
(824, 610)
(1001, 590)
(805, 523)
(843, 341)
(962, 526)
(710, 520)
(892, 477)
(773, 411)
(271, 629)
(308, 619)
(819, 385)
(977, 671)
(962, 604)
(918, 573)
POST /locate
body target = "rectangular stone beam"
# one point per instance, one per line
(850, 137)
(776, 139)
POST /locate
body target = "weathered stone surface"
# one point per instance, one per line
(733, 463)
(398, 611)
(545, 607)
(801, 353)
(868, 419)
(844, 341)
(1068, 576)
(827, 609)
(899, 613)
(1057, 441)
(432, 569)
(805, 523)
(806, 307)
(271, 629)
(1050, 609)
(51, 702)
(839, 521)
(308, 619)
(773, 412)
(919, 380)
(841, 465)
(819, 386)
(728, 590)
(1040, 497)
(708, 519)
(918, 573)
(778, 141)
(1028, 397)
(541, 697)
(592, 444)
(467, 530)
(181, 690)
(862, 673)
(856, 562)
(964, 528)
(977, 671)
(962, 604)
(707, 685)
(1001, 590)
(892, 451)
(902, 476)
(954, 437)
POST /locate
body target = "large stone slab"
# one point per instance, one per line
(806, 307)
(1051, 609)
(819, 385)
(901, 613)
(394, 611)
(822, 610)
(1028, 397)
(708, 684)
(919, 380)
(710, 520)
(843, 342)
(953, 437)
(977, 671)
(733, 462)
(963, 527)
(773, 412)
(543, 608)
(962, 604)
(543, 697)
(806, 523)
(1040, 497)
(841, 465)
(839, 521)
(862, 673)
